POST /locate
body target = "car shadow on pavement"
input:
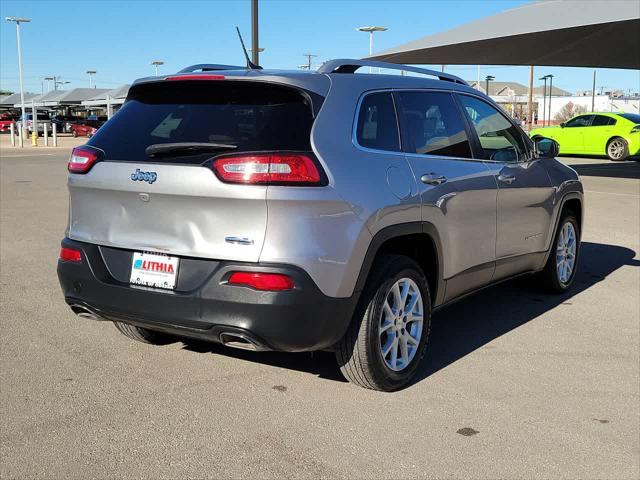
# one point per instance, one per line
(465, 326)
(628, 169)
(474, 322)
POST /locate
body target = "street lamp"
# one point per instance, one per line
(487, 79)
(156, 64)
(370, 30)
(59, 82)
(18, 21)
(91, 73)
(550, 95)
(49, 79)
(544, 98)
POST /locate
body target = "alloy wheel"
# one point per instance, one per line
(566, 252)
(400, 324)
(616, 149)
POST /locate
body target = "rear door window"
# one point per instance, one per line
(377, 126)
(433, 125)
(602, 121)
(251, 116)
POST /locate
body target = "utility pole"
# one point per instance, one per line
(255, 49)
(309, 57)
(18, 21)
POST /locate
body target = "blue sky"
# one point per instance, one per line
(120, 39)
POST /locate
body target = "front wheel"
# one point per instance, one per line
(388, 336)
(560, 270)
(617, 149)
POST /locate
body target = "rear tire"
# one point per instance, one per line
(142, 334)
(388, 319)
(617, 149)
(560, 271)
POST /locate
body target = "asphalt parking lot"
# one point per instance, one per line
(516, 384)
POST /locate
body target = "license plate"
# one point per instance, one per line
(154, 270)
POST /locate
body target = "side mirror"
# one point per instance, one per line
(563, 124)
(546, 148)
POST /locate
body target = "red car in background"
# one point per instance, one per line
(85, 128)
(5, 122)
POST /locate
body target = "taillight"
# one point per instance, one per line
(70, 255)
(275, 282)
(82, 159)
(268, 169)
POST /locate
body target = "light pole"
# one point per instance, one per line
(18, 21)
(59, 82)
(91, 73)
(48, 79)
(544, 98)
(370, 30)
(550, 95)
(156, 64)
(487, 79)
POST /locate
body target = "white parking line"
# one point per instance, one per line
(612, 193)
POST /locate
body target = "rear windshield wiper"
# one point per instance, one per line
(185, 148)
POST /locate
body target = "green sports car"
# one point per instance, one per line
(616, 135)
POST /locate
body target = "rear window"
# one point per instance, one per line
(634, 117)
(252, 116)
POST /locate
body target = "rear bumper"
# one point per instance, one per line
(203, 306)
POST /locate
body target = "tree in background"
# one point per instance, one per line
(568, 111)
(5, 92)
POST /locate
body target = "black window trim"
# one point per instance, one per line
(476, 146)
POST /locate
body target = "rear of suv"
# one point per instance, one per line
(302, 211)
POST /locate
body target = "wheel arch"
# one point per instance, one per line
(417, 240)
(571, 201)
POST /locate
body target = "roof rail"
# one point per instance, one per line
(210, 67)
(345, 65)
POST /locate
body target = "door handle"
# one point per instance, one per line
(505, 178)
(433, 179)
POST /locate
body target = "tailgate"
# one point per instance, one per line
(186, 211)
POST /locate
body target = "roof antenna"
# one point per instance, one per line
(250, 64)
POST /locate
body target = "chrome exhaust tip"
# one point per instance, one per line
(237, 340)
(83, 312)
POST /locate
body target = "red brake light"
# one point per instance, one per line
(70, 255)
(262, 281)
(268, 169)
(82, 159)
(195, 76)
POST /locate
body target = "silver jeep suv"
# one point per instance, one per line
(301, 211)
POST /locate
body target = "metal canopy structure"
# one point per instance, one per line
(597, 33)
(10, 100)
(62, 98)
(116, 96)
